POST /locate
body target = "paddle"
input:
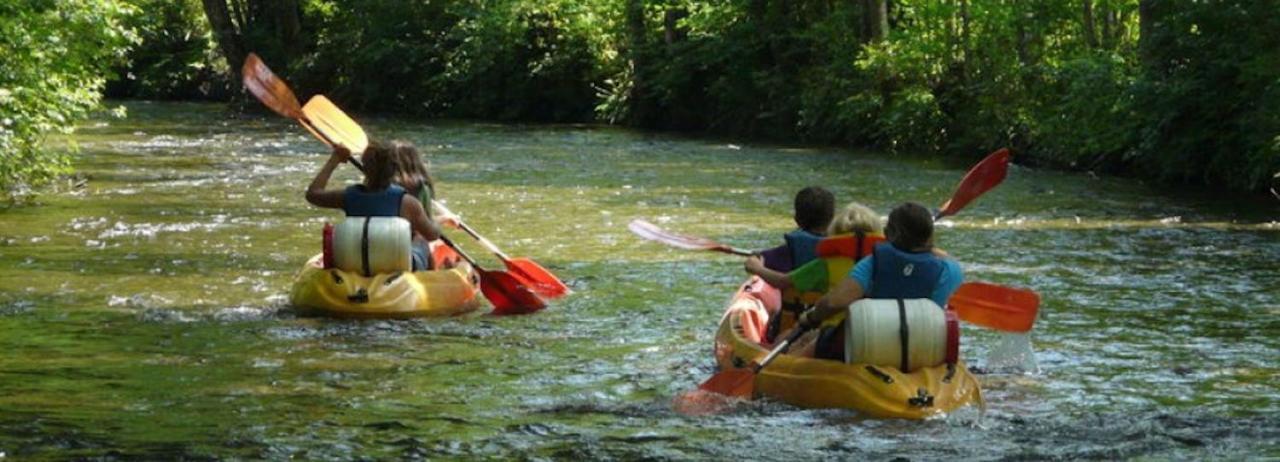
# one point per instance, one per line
(335, 128)
(507, 294)
(736, 383)
(997, 307)
(531, 274)
(652, 232)
(276, 95)
(984, 175)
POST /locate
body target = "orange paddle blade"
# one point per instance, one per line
(652, 232)
(268, 88)
(326, 118)
(997, 307)
(507, 294)
(716, 394)
(981, 178)
(536, 278)
(698, 402)
(734, 382)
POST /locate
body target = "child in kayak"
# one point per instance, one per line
(851, 234)
(907, 266)
(377, 196)
(813, 208)
(413, 175)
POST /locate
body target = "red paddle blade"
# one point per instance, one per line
(536, 278)
(981, 178)
(652, 232)
(507, 294)
(716, 394)
(997, 307)
(268, 88)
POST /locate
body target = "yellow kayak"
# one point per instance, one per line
(879, 391)
(334, 292)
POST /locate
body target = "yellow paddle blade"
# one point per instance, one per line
(326, 118)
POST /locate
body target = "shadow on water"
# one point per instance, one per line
(144, 313)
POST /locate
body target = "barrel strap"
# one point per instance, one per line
(364, 248)
(903, 333)
(857, 251)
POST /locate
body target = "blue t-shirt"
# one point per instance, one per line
(948, 280)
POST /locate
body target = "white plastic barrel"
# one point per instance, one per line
(874, 334)
(387, 239)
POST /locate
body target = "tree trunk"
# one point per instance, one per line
(1090, 37)
(226, 33)
(641, 108)
(1148, 21)
(672, 32)
(875, 21)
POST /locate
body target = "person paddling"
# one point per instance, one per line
(814, 208)
(377, 196)
(851, 236)
(907, 266)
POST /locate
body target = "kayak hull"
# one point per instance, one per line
(338, 293)
(878, 391)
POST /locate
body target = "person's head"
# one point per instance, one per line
(379, 165)
(814, 207)
(910, 227)
(855, 218)
(410, 166)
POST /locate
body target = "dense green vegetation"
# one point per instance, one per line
(54, 57)
(1184, 92)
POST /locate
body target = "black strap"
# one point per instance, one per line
(903, 333)
(364, 248)
(857, 251)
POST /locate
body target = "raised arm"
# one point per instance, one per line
(317, 195)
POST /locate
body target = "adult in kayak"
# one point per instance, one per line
(377, 196)
(907, 266)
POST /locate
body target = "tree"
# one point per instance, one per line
(56, 55)
(272, 28)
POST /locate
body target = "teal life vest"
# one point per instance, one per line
(357, 201)
(803, 246)
(899, 274)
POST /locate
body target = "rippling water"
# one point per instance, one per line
(143, 313)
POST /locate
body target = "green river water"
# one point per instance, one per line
(144, 313)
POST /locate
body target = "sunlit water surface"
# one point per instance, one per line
(143, 313)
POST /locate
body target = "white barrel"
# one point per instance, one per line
(385, 239)
(875, 334)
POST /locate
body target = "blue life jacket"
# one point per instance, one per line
(358, 202)
(803, 246)
(899, 274)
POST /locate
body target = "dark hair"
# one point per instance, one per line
(910, 226)
(412, 170)
(379, 165)
(814, 208)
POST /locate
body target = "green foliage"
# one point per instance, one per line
(1063, 82)
(176, 57)
(1211, 95)
(55, 54)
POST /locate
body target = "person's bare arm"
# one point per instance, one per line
(317, 195)
(755, 265)
(412, 210)
(848, 291)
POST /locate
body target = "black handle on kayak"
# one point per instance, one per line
(781, 348)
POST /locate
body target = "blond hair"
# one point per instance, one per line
(855, 218)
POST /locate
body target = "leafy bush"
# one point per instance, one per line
(56, 54)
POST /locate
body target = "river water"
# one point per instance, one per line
(144, 313)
